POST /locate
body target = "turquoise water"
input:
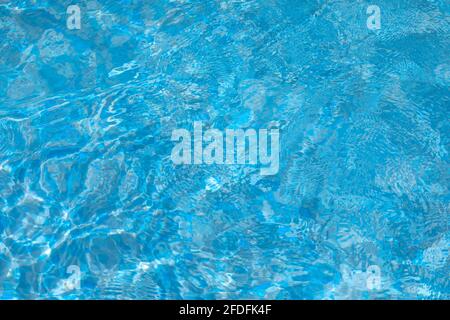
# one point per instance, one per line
(92, 207)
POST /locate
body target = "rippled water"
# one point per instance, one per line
(87, 183)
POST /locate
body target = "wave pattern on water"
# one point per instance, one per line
(85, 128)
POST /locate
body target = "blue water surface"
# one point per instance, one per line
(87, 182)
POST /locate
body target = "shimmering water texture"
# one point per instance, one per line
(92, 206)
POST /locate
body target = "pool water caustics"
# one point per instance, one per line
(106, 193)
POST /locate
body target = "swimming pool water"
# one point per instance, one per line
(93, 207)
